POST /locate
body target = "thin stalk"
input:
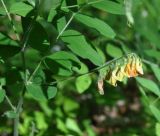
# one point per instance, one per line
(16, 120)
(10, 103)
(69, 21)
(96, 1)
(89, 3)
(34, 72)
(10, 19)
(72, 6)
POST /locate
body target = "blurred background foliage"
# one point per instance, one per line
(69, 37)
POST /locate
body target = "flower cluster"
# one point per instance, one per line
(127, 66)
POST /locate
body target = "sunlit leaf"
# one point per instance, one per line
(102, 27)
(72, 125)
(157, 129)
(109, 6)
(114, 51)
(155, 111)
(20, 8)
(149, 84)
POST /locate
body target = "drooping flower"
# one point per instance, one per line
(127, 66)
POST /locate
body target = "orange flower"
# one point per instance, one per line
(134, 66)
(131, 71)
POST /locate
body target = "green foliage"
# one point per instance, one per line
(41, 93)
(20, 8)
(114, 51)
(50, 54)
(82, 48)
(149, 84)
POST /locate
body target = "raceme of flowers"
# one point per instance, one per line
(129, 65)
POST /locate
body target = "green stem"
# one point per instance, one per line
(89, 3)
(10, 103)
(10, 19)
(20, 103)
(87, 73)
